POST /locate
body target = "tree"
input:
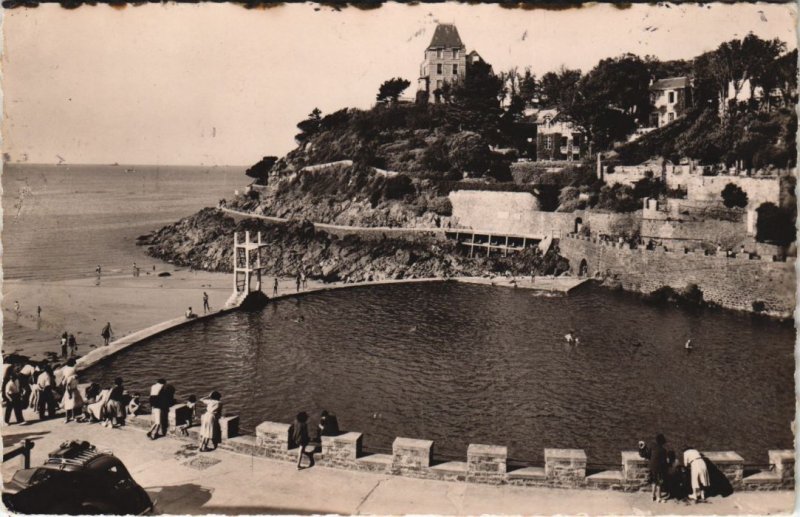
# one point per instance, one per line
(260, 171)
(392, 89)
(481, 89)
(775, 224)
(558, 89)
(309, 126)
(734, 196)
(529, 87)
(611, 99)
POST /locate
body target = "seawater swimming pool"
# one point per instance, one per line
(462, 364)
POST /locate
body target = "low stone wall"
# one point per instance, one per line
(488, 464)
(731, 282)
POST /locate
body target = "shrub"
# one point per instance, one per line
(775, 224)
(734, 196)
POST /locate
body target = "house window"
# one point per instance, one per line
(671, 117)
(455, 69)
(564, 141)
(548, 142)
(440, 53)
(672, 97)
(439, 69)
(455, 53)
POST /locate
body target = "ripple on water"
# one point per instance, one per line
(463, 364)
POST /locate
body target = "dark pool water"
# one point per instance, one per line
(462, 364)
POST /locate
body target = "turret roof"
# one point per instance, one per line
(446, 36)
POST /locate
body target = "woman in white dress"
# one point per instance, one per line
(695, 462)
(210, 431)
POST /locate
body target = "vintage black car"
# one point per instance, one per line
(77, 479)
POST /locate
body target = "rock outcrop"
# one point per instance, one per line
(204, 241)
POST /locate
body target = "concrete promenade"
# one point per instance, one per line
(183, 481)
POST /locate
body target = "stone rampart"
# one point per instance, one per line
(518, 213)
(759, 189)
(488, 464)
(729, 233)
(738, 282)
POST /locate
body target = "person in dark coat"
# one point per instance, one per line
(658, 469)
(328, 425)
(301, 439)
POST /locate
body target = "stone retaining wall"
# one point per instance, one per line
(563, 468)
(731, 282)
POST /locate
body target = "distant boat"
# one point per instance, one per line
(130, 170)
(115, 164)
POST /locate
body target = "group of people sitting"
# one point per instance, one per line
(35, 386)
(672, 478)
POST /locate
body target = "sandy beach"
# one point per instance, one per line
(82, 306)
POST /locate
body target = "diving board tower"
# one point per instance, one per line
(248, 265)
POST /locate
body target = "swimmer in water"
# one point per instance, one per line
(569, 338)
(688, 345)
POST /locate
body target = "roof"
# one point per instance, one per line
(670, 83)
(546, 114)
(446, 36)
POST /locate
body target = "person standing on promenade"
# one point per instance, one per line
(47, 401)
(297, 281)
(206, 306)
(696, 464)
(275, 287)
(12, 397)
(107, 333)
(210, 431)
(72, 402)
(155, 409)
(303, 278)
(301, 439)
(657, 474)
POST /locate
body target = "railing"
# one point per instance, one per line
(23, 449)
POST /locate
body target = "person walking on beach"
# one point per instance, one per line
(39, 312)
(206, 306)
(64, 341)
(106, 333)
(301, 439)
(210, 431)
(275, 287)
(303, 279)
(72, 344)
(16, 309)
(98, 270)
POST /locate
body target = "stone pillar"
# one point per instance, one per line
(272, 439)
(229, 426)
(752, 218)
(634, 469)
(784, 464)
(566, 467)
(341, 450)
(179, 414)
(412, 455)
(486, 463)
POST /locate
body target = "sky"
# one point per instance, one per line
(217, 84)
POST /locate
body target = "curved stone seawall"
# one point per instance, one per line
(740, 283)
(563, 468)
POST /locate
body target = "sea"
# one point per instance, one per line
(62, 221)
